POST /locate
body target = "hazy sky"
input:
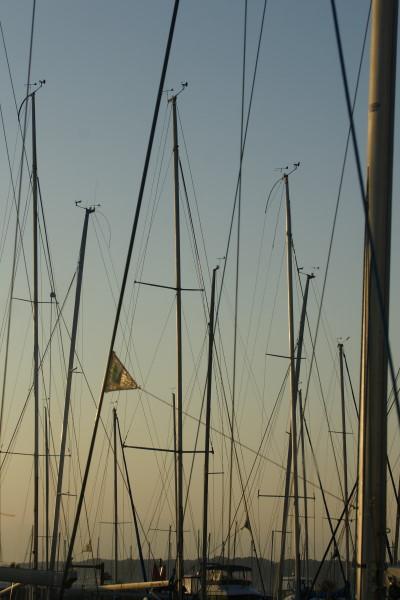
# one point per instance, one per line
(102, 62)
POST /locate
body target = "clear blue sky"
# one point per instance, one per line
(102, 64)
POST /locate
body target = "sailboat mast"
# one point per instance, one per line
(293, 387)
(67, 402)
(179, 352)
(345, 478)
(207, 440)
(305, 503)
(35, 547)
(371, 516)
(135, 520)
(175, 467)
(47, 483)
(115, 497)
(290, 446)
(284, 519)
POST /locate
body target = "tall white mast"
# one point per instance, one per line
(345, 478)
(293, 388)
(67, 402)
(371, 516)
(179, 526)
(35, 547)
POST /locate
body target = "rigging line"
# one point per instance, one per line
(195, 445)
(147, 375)
(143, 250)
(156, 195)
(82, 372)
(194, 249)
(258, 454)
(242, 154)
(330, 338)
(108, 444)
(268, 429)
(125, 311)
(275, 300)
(337, 203)
(190, 503)
(368, 231)
(333, 536)
(195, 196)
(106, 269)
(245, 358)
(238, 466)
(164, 478)
(153, 418)
(324, 498)
(9, 67)
(319, 379)
(189, 392)
(100, 478)
(8, 208)
(45, 242)
(23, 133)
(240, 188)
(237, 442)
(391, 392)
(151, 427)
(11, 446)
(269, 333)
(110, 449)
(160, 155)
(252, 310)
(231, 426)
(161, 494)
(19, 421)
(239, 205)
(122, 292)
(159, 503)
(61, 349)
(230, 525)
(150, 419)
(195, 244)
(31, 43)
(160, 500)
(159, 159)
(152, 208)
(99, 508)
(245, 502)
(75, 438)
(134, 299)
(351, 385)
(11, 284)
(387, 457)
(280, 395)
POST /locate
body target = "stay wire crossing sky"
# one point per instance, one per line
(101, 62)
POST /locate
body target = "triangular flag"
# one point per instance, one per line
(247, 524)
(118, 377)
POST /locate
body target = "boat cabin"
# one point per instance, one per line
(224, 581)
